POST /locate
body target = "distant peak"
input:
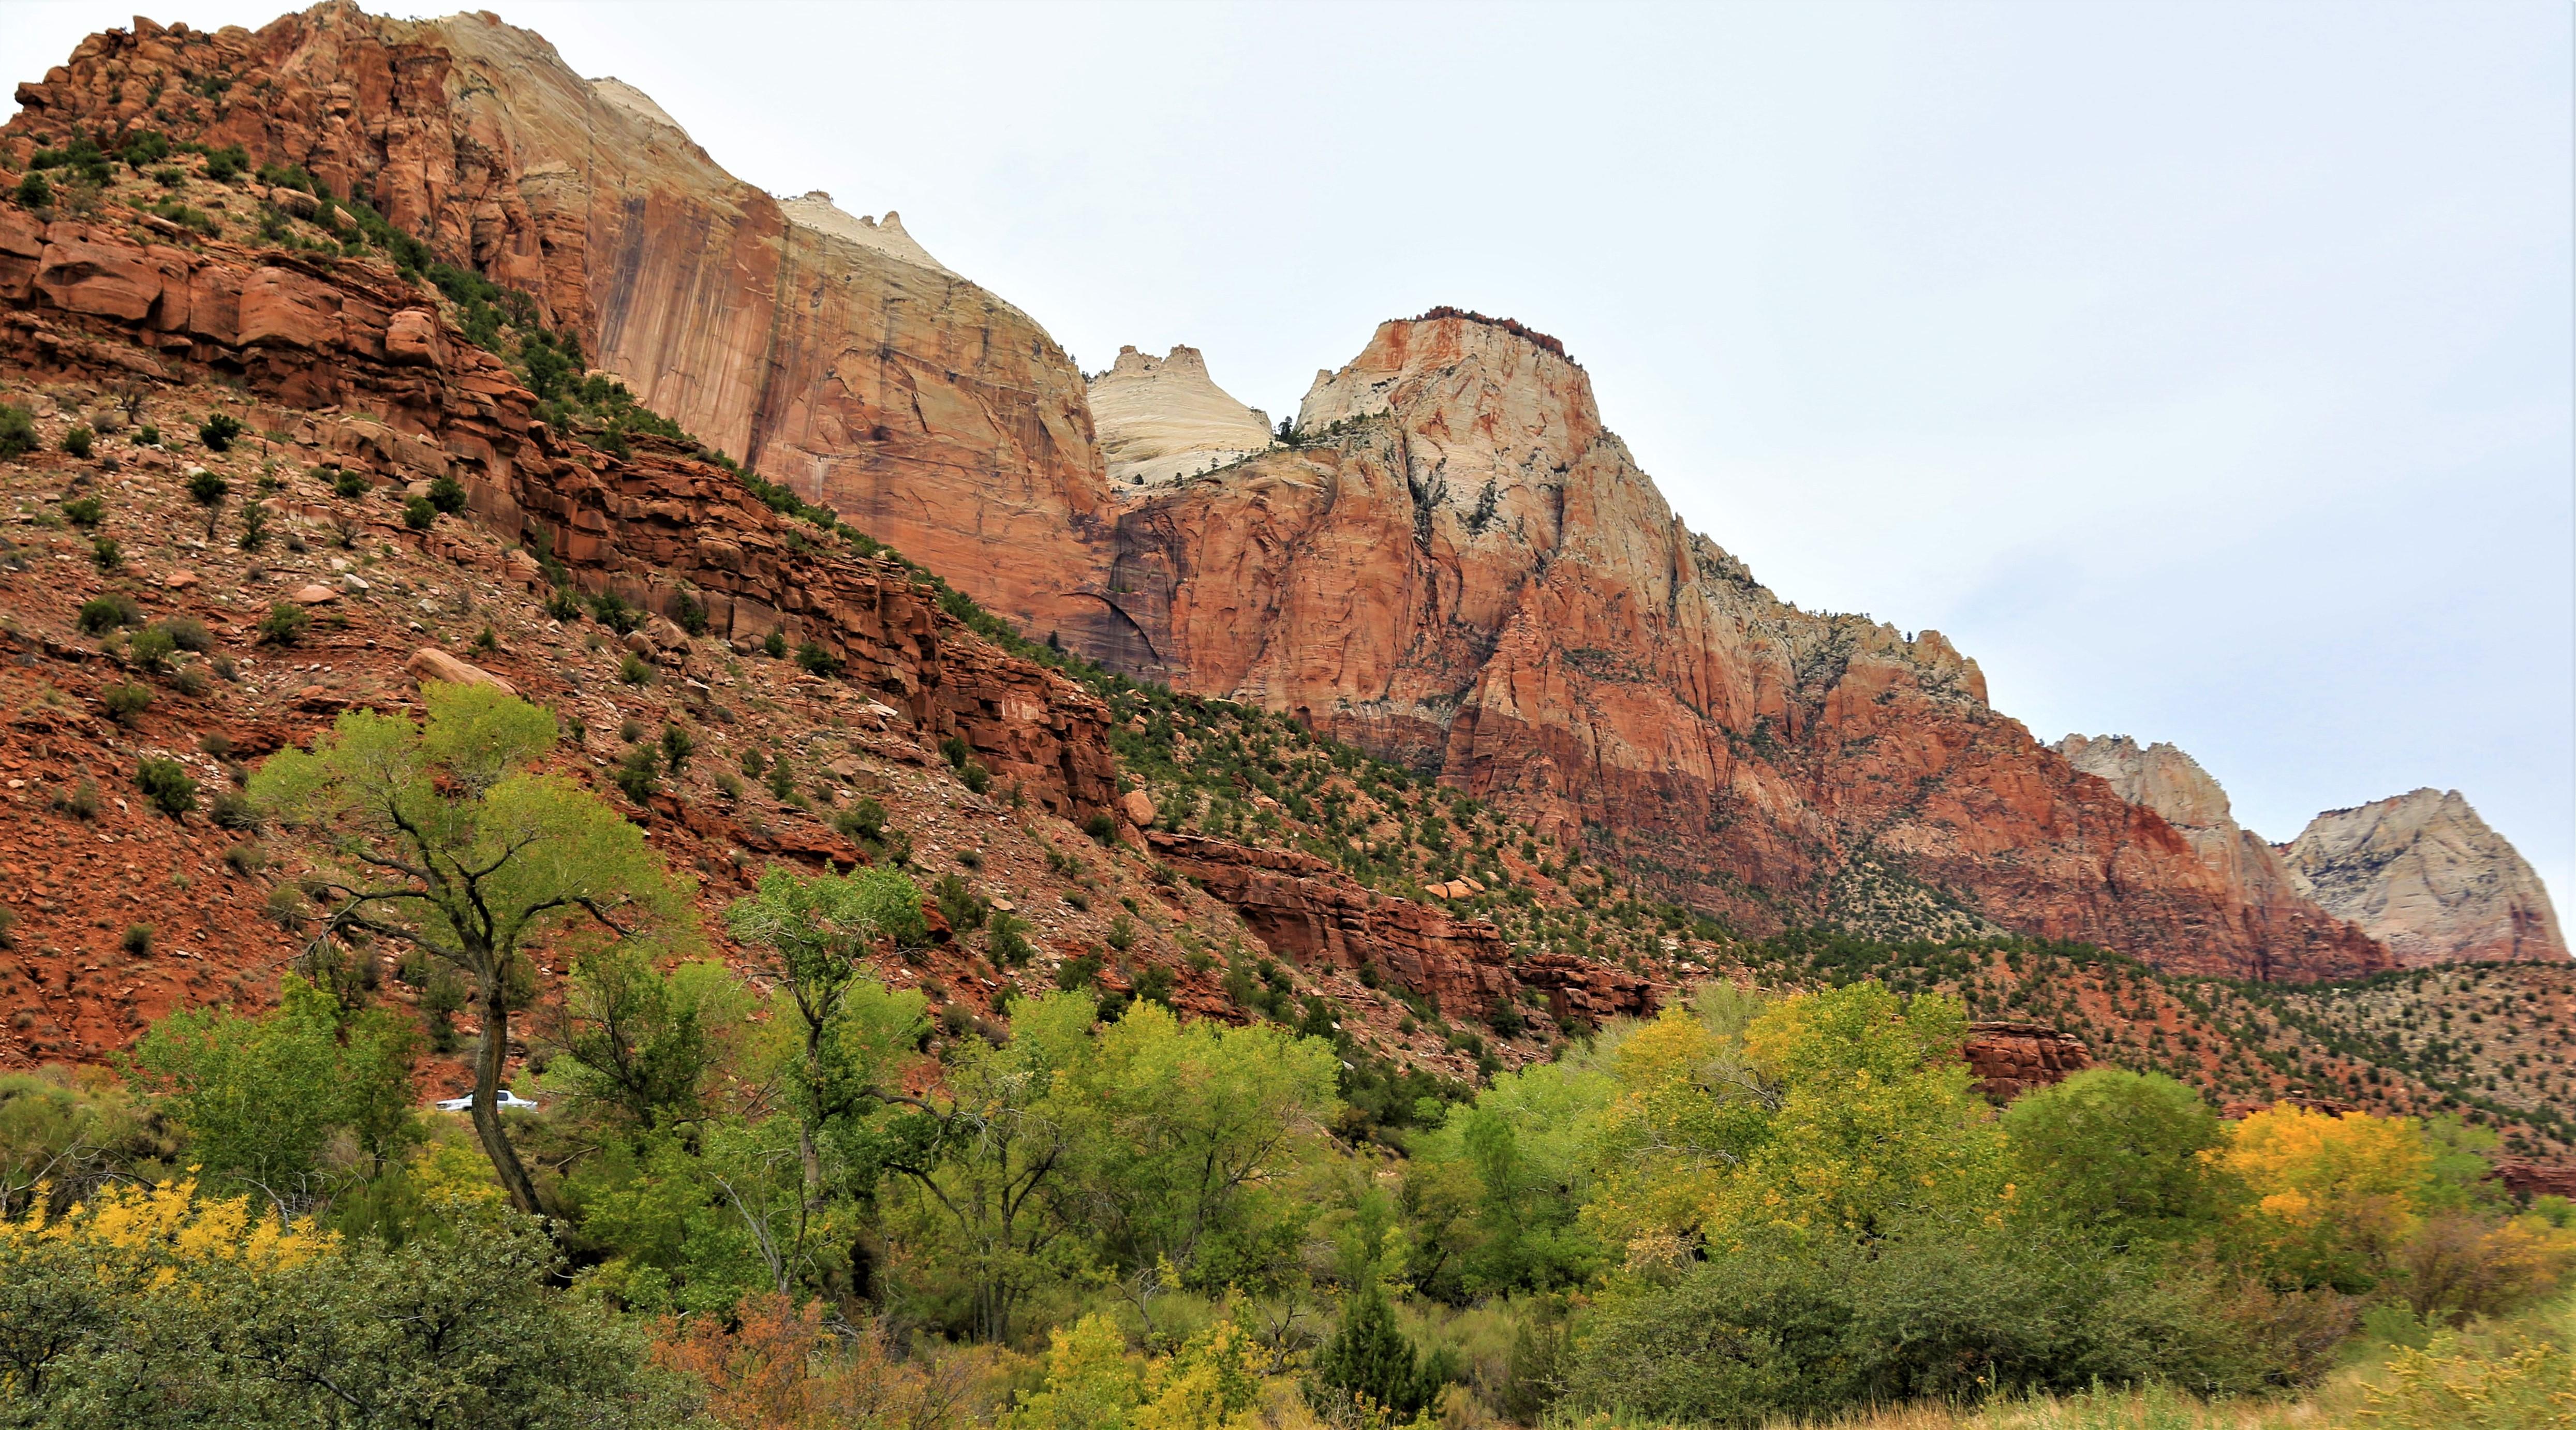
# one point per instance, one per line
(1513, 326)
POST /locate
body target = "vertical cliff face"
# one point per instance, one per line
(2173, 784)
(1465, 571)
(1163, 418)
(2424, 874)
(829, 352)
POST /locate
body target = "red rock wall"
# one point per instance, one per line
(929, 412)
(1472, 577)
(307, 332)
(2009, 1059)
(1317, 917)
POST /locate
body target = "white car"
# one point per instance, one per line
(507, 1099)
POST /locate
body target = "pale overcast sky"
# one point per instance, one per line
(2204, 370)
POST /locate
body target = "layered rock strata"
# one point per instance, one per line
(2424, 874)
(1465, 571)
(2009, 1059)
(410, 400)
(1163, 418)
(1321, 919)
(828, 352)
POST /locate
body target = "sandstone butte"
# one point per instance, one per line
(1161, 419)
(1463, 570)
(2423, 874)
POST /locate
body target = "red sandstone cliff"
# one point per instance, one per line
(829, 353)
(1466, 572)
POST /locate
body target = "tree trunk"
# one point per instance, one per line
(491, 1050)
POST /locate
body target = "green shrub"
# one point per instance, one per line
(611, 610)
(563, 605)
(447, 494)
(775, 645)
(137, 940)
(207, 487)
(418, 513)
(689, 614)
(246, 858)
(84, 512)
(677, 746)
(81, 801)
(977, 778)
(106, 553)
(638, 775)
(151, 649)
(1369, 1360)
(219, 431)
(285, 624)
(1102, 827)
(17, 427)
(1122, 933)
(958, 903)
(1006, 939)
(147, 435)
(165, 782)
(346, 483)
(125, 700)
(34, 191)
(101, 614)
(189, 634)
(634, 670)
(254, 532)
(817, 660)
(78, 441)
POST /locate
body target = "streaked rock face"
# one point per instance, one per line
(829, 352)
(1466, 572)
(1163, 418)
(2172, 783)
(2424, 874)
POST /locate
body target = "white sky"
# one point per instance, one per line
(2204, 370)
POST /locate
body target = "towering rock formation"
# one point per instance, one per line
(1161, 419)
(2172, 783)
(829, 352)
(2423, 874)
(1465, 571)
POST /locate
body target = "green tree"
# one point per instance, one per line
(848, 1029)
(1183, 1134)
(2118, 1154)
(640, 1043)
(1370, 1359)
(445, 836)
(983, 1161)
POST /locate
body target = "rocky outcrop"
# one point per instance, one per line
(2009, 1059)
(2173, 784)
(1321, 919)
(2425, 875)
(828, 352)
(1315, 916)
(1462, 570)
(669, 533)
(1162, 419)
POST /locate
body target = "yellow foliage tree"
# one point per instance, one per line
(2334, 1195)
(153, 1237)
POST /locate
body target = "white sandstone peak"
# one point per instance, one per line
(1161, 419)
(815, 210)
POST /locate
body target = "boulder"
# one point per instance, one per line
(430, 663)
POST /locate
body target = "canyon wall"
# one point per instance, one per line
(410, 400)
(829, 352)
(2425, 875)
(1463, 570)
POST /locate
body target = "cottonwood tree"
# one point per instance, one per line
(446, 836)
